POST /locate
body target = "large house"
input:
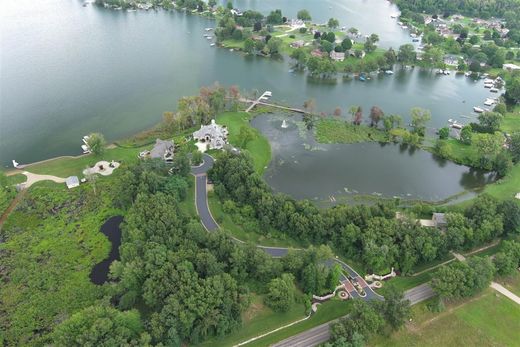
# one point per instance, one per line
(163, 149)
(438, 221)
(214, 135)
(337, 56)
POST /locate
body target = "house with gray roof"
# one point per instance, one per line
(163, 149)
(214, 135)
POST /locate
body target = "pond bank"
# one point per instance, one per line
(110, 229)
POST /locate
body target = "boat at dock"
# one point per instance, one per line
(478, 109)
(493, 90)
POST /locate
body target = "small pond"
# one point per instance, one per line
(110, 229)
(331, 173)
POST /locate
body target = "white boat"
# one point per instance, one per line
(85, 139)
(131, 10)
(86, 149)
(493, 90)
(209, 37)
(389, 72)
(467, 74)
(212, 45)
(489, 102)
(15, 164)
(209, 29)
(488, 85)
(478, 109)
(446, 72)
(489, 81)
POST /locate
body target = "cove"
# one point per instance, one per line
(110, 229)
(305, 169)
(68, 70)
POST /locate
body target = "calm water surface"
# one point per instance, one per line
(306, 169)
(67, 70)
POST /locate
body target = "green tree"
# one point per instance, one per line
(249, 46)
(406, 54)
(245, 136)
(466, 135)
(96, 142)
(101, 326)
(275, 17)
(444, 133)
(333, 277)
(395, 309)
(346, 44)
(513, 90)
(274, 45)
(419, 119)
(490, 121)
(300, 56)
(304, 15)
(280, 294)
(333, 23)
(515, 146)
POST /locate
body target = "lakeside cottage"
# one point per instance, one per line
(213, 135)
(337, 56)
(438, 221)
(510, 67)
(163, 149)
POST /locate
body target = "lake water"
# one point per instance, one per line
(68, 70)
(309, 170)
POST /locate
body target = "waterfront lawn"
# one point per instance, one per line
(258, 147)
(258, 319)
(51, 242)
(511, 123)
(272, 238)
(67, 166)
(327, 312)
(461, 153)
(507, 187)
(338, 131)
(488, 320)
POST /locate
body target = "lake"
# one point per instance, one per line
(68, 70)
(332, 173)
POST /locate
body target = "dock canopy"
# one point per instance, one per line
(72, 182)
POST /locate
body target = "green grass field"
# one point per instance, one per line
(258, 147)
(64, 167)
(259, 319)
(512, 283)
(488, 320)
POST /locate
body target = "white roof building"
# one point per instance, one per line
(163, 149)
(213, 134)
(510, 67)
(72, 182)
(337, 56)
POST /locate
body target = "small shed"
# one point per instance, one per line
(72, 182)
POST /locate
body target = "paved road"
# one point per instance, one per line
(419, 293)
(321, 333)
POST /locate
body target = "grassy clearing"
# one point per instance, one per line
(488, 320)
(259, 319)
(327, 312)
(188, 204)
(258, 147)
(511, 123)
(408, 282)
(271, 238)
(52, 241)
(337, 131)
(507, 187)
(64, 167)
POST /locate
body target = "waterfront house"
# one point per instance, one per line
(163, 149)
(438, 221)
(72, 182)
(297, 44)
(214, 135)
(317, 53)
(510, 67)
(337, 56)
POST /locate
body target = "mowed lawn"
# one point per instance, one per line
(259, 319)
(258, 147)
(488, 320)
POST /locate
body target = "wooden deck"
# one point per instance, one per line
(265, 96)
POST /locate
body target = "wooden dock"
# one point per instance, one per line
(265, 96)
